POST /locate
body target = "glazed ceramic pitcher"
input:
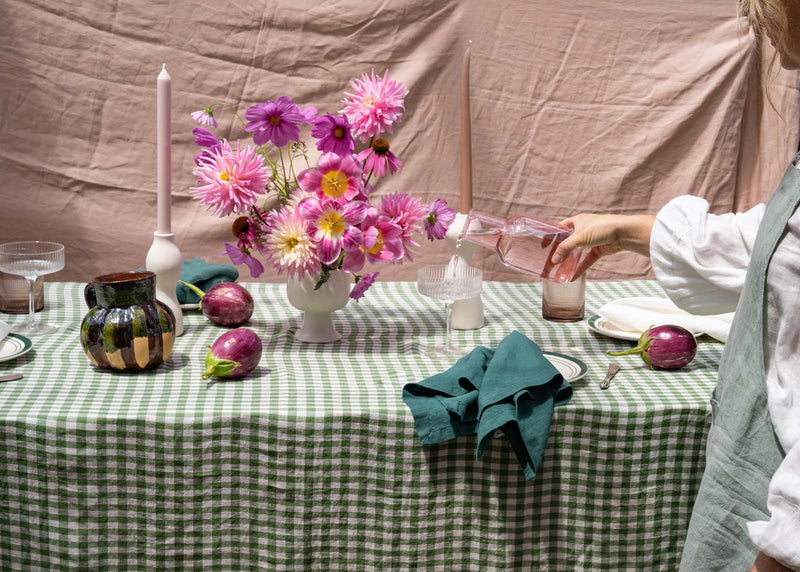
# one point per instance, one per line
(126, 328)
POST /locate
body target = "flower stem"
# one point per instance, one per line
(291, 162)
(448, 347)
(233, 108)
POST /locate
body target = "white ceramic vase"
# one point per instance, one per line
(318, 305)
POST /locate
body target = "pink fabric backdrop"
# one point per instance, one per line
(612, 106)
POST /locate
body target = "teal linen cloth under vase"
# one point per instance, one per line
(204, 275)
(513, 388)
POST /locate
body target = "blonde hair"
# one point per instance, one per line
(768, 17)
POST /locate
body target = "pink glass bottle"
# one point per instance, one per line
(524, 243)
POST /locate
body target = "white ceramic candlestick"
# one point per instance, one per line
(165, 260)
(164, 257)
(466, 314)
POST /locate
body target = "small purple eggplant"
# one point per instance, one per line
(664, 347)
(225, 304)
(235, 354)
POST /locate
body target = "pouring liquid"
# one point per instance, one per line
(526, 246)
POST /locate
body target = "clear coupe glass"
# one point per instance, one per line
(448, 283)
(31, 259)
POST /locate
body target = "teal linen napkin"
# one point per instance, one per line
(203, 275)
(513, 388)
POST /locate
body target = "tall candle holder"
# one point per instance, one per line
(164, 257)
(165, 261)
(465, 314)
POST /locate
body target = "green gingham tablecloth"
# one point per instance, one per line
(313, 462)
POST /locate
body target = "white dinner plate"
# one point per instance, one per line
(569, 367)
(14, 346)
(602, 326)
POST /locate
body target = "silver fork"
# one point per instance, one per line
(612, 371)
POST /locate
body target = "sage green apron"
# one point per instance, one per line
(743, 451)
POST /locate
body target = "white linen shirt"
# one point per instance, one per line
(700, 259)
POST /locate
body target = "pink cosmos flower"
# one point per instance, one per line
(440, 215)
(230, 181)
(406, 212)
(335, 177)
(238, 258)
(333, 225)
(363, 285)
(378, 158)
(375, 104)
(277, 121)
(289, 244)
(382, 242)
(333, 134)
(204, 117)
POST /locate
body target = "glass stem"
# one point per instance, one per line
(31, 312)
(448, 306)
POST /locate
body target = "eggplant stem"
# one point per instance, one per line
(194, 289)
(634, 350)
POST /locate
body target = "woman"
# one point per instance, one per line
(747, 513)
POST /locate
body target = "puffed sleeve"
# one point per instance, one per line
(700, 259)
(778, 536)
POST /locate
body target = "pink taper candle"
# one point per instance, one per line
(466, 137)
(164, 134)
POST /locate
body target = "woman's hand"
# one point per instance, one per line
(766, 564)
(605, 234)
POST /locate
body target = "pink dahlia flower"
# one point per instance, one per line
(382, 242)
(335, 177)
(333, 225)
(277, 121)
(406, 212)
(289, 244)
(204, 117)
(333, 134)
(438, 220)
(230, 181)
(379, 159)
(238, 258)
(375, 104)
(363, 285)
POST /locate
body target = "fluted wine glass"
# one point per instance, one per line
(31, 259)
(448, 283)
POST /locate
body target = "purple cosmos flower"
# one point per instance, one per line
(438, 220)
(363, 285)
(277, 121)
(333, 134)
(238, 258)
(204, 117)
(205, 138)
(379, 159)
(332, 225)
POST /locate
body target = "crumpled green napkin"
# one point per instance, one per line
(513, 388)
(203, 275)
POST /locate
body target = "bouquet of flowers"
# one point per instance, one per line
(324, 217)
